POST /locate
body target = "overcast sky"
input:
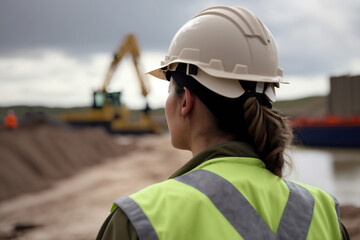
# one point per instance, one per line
(56, 52)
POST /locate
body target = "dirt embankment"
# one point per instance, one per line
(59, 183)
(68, 193)
(32, 158)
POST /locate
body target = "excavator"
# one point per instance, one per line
(107, 109)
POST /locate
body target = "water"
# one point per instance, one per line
(336, 171)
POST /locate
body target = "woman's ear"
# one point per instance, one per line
(187, 102)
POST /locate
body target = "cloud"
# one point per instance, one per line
(316, 36)
(300, 87)
(57, 79)
(62, 49)
(53, 78)
(313, 36)
(88, 26)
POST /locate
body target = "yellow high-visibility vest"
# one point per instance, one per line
(232, 198)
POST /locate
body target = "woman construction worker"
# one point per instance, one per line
(222, 66)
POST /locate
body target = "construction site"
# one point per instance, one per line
(59, 183)
(61, 169)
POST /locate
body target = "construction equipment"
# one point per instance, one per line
(107, 109)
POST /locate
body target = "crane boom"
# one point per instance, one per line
(129, 45)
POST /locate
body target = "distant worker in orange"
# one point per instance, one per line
(11, 121)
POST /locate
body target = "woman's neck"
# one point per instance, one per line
(202, 141)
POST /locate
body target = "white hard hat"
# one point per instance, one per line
(227, 44)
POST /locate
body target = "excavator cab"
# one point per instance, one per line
(101, 98)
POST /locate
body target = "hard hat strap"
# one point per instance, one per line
(256, 89)
(261, 97)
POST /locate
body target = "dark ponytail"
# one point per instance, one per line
(269, 133)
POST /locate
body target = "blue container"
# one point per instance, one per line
(328, 136)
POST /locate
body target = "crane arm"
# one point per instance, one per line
(129, 45)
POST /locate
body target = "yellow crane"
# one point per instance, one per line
(107, 109)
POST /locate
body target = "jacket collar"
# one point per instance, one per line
(226, 149)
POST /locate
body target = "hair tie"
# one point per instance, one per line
(260, 97)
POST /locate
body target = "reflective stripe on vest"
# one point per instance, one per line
(297, 215)
(337, 207)
(230, 202)
(294, 223)
(138, 218)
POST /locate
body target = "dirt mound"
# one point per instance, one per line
(33, 157)
(350, 217)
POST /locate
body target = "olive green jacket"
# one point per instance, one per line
(118, 226)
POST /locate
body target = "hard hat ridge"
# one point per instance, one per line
(250, 25)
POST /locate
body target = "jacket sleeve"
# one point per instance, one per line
(117, 226)
(344, 232)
